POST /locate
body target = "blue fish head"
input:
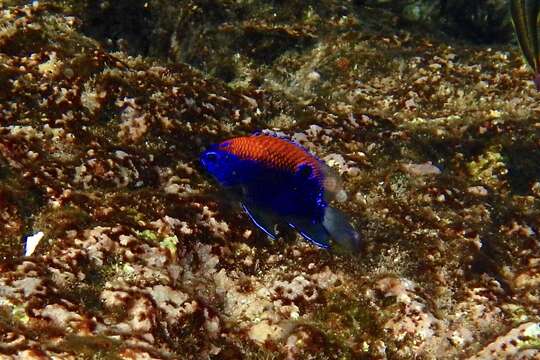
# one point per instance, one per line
(221, 165)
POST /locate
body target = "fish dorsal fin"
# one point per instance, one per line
(262, 219)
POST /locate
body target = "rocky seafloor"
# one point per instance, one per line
(145, 257)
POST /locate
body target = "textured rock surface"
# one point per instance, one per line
(479, 21)
(233, 39)
(144, 257)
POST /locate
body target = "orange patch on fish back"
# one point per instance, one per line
(272, 151)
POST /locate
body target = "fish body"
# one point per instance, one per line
(525, 19)
(280, 182)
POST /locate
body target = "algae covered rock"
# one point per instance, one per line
(144, 257)
(478, 21)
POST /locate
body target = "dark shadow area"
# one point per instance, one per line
(523, 162)
(119, 25)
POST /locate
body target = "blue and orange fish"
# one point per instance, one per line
(280, 182)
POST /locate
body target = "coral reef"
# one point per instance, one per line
(143, 257)
(238, 41)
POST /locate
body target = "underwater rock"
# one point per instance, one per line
(421, 169)
(477, 21)
(241, 37)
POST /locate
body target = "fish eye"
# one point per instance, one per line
(211, 156)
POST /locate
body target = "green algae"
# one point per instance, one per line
(166, 242)
(92, 347)
(344, 322)
(55, 221)
(170, 243)
(148, 235)
(489, 167)
(519, 313)
(13, 313)
(530, 338)
(419, 11)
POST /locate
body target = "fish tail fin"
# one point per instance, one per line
(340, 229)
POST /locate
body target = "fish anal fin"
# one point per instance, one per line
(312, 232)
(262, 219)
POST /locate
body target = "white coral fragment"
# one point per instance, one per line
(32, 242)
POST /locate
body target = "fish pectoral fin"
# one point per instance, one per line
(312, 232)
(262, 219)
